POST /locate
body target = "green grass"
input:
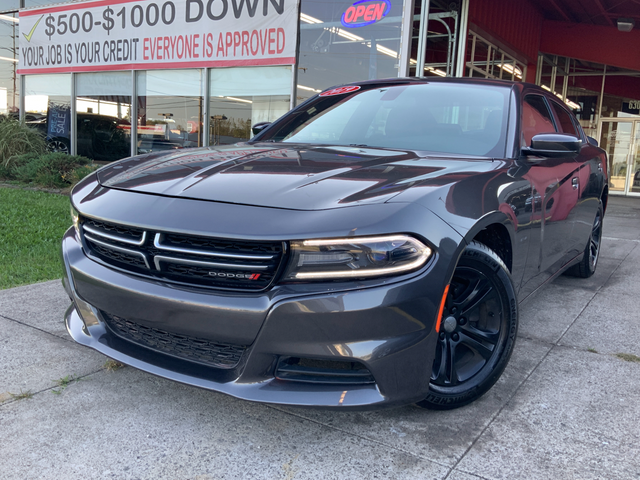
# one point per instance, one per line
(628, 357)
(31, 228)
(22, 395)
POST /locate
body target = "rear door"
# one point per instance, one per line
(586, 184)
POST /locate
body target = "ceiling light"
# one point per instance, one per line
(626, 24)
(9, 19)
(302, 87)
(507, 67)
(309, 19)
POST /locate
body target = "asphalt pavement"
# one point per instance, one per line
(567, 406)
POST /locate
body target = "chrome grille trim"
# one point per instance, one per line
(157, 242)
(196, 263)
(183, 258)
(116, 238)
(118, 249)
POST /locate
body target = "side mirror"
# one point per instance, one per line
(592, 141)
(260, 126)
(553, 145)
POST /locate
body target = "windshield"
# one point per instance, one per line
(449, 118)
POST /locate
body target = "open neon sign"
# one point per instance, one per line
(360, 15)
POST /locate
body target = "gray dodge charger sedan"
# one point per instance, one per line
(367, 249)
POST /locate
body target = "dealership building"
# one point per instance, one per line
(192, 73)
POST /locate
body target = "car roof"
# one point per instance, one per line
(450, 80)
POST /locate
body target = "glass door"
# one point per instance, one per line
(634, 162)
(621, 140)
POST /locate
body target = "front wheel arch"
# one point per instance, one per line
(477, 333)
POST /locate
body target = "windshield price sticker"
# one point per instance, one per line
(94, 35)
(340, 91)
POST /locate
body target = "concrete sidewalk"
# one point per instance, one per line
(566, 408)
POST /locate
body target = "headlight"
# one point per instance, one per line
(75, 218)
(355, 257)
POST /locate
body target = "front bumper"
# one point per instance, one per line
(388, 328)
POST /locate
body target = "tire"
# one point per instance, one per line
(477, 333)
(60, 145)
(589, 262)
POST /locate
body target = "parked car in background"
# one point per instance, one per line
(100, 137)
(367, 249)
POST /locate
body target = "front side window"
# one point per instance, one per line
(566, 124)
(536, 118)
(460, 119)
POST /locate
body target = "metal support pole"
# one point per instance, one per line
(22, 94)
(73, 123)
(462, 35)
(206, 114)
(405, 38)
(486, 70)
(604, 76)
(554, 72)
(565, 83)
(422, 37)
(473, 54)
(133, 113)
(539, 69)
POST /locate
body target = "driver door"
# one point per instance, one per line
(554, 199)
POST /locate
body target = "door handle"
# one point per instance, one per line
(574, 183)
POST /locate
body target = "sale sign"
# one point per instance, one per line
(147, 34)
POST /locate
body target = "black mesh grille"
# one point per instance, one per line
(192, 260)
(127, 233)
(119, 257)
(212, 244)
(194, 349)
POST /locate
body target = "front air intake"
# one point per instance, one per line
(323, 371)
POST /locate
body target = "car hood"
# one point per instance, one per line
(299, 177)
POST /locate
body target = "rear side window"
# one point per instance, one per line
(566, 125)
(536, 118)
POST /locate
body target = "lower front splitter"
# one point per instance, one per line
(95, 336)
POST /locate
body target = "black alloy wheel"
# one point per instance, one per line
(589, 262)
(58, 145)
(477, 331)
(594, 241)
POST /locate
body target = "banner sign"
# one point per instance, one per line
(149, 34)
(58, 120)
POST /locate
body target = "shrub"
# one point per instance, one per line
(16, 138)
(51, 170)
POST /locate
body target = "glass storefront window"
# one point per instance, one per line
(47, 100)
(170, 108)
(341, 42)
(9, 31)
(243, 96)
(103, 109)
